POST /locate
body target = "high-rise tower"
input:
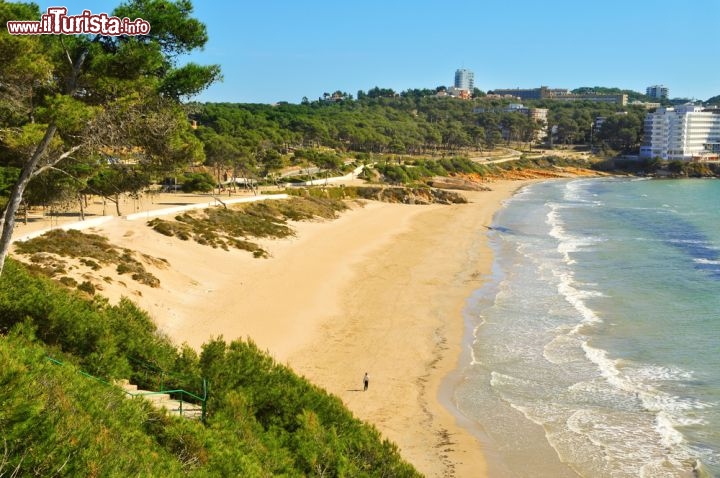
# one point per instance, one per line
(465, 79)
(657, 91)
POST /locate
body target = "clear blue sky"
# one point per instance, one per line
(282, 50)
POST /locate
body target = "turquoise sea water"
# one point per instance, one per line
(596, 342)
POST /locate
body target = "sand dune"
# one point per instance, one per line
(381, 290)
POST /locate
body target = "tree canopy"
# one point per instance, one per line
(86, 98)
(380, 121)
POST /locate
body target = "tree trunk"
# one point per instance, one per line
(117, 204)
(82, 207)
(31, 169)
(217, 174)
(7, 223)
(248, 183)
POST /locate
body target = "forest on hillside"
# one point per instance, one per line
(258, 140)
(403, 124)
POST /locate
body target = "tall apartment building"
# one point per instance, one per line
(683, 132)
(465, 80)
(657, 91)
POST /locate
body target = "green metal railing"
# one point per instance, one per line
(84, 374)
(182, 399)
(164, 375)
(182, 393)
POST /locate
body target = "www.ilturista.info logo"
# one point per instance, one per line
(57, 22)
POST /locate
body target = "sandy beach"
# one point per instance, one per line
(380, 290)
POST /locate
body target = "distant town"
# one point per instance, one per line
(684, 131)
(673, 128)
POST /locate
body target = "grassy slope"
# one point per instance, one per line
(263, 420)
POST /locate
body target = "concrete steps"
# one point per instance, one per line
(163, 400)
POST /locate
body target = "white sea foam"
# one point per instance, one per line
(566, 281)
(670, 411)
(572, 191)
(567, 243)
(498, 379)
(706, 261)
(678, 407)
(625, 443)
(575, 298)
(660, 449)
(608, 368)
(670, 437)
(652, 399)
(688, 241)
(622, 417)
(473, 357)
(577, 243)
(575, 191)
(555, 223)
(661, 373)
(520, 194)
(527, 413)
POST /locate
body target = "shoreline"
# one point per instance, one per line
(450, 258)
(381, 289)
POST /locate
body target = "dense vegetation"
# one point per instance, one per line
(657, 167)
(79, 101)
(318, 138)
(262, 420)
(257, 134)
(603, 90)
(420, 170)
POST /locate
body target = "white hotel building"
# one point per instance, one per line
(683, 132)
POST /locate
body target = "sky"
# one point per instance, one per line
(284, 50)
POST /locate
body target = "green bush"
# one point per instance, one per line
(86, 287)
(198, 182)
(394, 174)
(56, 422)
(263, 420)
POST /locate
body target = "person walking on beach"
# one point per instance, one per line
(366, 381)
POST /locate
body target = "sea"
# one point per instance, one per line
(594, 346)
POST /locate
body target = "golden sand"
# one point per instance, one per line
(380, 290)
